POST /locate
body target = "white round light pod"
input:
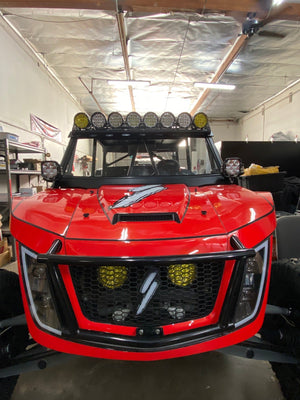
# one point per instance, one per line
(133, 119)
(167, 120)
(150, 119)
(98, 120)
(115, 120)
(50, 170)
(184, 120)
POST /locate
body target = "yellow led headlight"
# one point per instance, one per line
(81, 120)
(111, 276)
(182, 274)
(200, 120)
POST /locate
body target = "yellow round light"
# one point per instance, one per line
(112, 276)
(81, 120)
(182, 274)
(200, 120)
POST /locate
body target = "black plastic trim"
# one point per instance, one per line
(148, 344)
(93, 182)
(147, 217)
(62, 303)
(83, 260)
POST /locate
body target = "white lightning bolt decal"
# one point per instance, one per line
(139, 193)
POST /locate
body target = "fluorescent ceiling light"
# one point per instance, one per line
(135, 84)
(219, 86)
(277, 2)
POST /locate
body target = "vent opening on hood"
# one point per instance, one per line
(153, 217)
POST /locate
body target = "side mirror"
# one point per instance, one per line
(50, 170)
(232, 167)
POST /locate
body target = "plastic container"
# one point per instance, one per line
(264, 183)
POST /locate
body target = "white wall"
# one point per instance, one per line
(225, 130)
(280, 114)
(26, 88)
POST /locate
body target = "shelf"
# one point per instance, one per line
(23, 148)
(21, 172)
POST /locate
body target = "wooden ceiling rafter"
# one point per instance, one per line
(223, 66)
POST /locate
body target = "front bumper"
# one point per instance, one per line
(156, 342)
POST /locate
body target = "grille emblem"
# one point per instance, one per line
(148, 289)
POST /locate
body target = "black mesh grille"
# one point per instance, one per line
(171, 303)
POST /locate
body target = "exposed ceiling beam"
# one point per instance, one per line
(237, 8)
(224, 65)
(123, 40)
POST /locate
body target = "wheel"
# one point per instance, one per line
(288, 376)
(285, 292)
(12, 340)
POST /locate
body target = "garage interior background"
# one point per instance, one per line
(172, 50)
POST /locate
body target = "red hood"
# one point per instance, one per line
(95, 214)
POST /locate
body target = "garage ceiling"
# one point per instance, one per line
(172, 50)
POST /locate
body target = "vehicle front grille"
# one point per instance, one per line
(136, 294)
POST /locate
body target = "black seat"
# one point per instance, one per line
(115, 171)
(142, 170)
(168, 167)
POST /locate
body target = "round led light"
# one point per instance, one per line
(200, 120)
(184, 120)
(111, 276)
(167, 120)
(182, 274)
(133, 119)
(81, 120)
(150, 119)
(115, 120)
(50, 170)
(98, 120)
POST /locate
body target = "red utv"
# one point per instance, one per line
(144, 248)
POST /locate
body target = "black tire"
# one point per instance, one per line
(285, 292)
(285, 283)
(288, 376)
(17, 339)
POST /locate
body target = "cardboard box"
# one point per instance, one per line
(5, 258)
(3, 245)
(34, 163)
(38, 188)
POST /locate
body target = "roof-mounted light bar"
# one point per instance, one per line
(134, 120)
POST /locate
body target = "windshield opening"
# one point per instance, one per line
(141, 157)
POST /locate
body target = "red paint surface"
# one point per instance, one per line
(209, 216)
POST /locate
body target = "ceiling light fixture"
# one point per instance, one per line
(126, 83)
(277, 2)
(218, 86)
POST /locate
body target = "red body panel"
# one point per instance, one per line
(82, 220)
(225, 208)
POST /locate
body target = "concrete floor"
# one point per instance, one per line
(206, 376)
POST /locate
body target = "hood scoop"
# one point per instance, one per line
(145, 217)
(146, 203)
